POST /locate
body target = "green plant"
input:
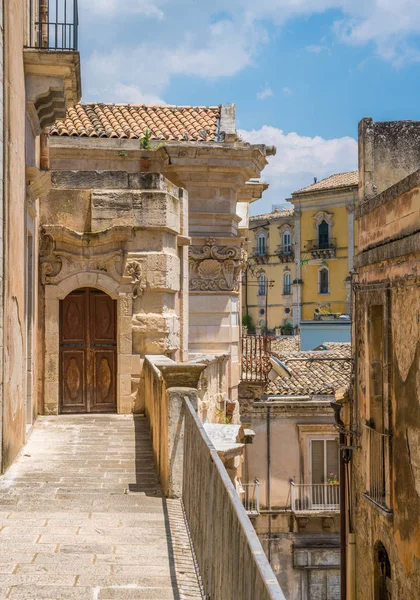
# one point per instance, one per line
(287, 329)
(332, 479)
(222, 417)
(247, 321)
(122, 153)
(146, 142)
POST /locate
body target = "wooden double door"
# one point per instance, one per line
(88, 352)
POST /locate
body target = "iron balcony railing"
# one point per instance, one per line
(315, 497)
(377, 471)
(249, 493)
(256, 352)
(54, 26)
(330, 244)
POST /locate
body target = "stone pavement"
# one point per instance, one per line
(82, 517)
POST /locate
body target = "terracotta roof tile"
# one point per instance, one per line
(172, 123)
(313, 379)
(339, 180)
(275, 214)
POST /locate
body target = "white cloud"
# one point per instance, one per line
(287, 91)
(113, 8)
(134, 95)
(298, 160)
(265, 93)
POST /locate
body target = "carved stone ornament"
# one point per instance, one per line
(134, 270)
(215, 268)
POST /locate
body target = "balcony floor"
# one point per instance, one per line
(82, 517)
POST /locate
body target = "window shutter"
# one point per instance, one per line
(318, 461)
(332, 458)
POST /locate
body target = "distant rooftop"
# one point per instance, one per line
(339, 180)
(275, 214)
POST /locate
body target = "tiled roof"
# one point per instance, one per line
(317, 378)
(172, 123)
(339, 180)
(275, 214)
(286, 344)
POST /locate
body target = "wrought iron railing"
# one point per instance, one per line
(54, 26)
(377, 470)
(249, 493)
(330, 244)
(315, 497)
(256, 352)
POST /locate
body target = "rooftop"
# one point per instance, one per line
(130, 121)
(275, 214)
(313, 378)
(339, 180)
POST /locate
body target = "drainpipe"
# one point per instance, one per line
(269, 483)
(343, 554)
(266, 307)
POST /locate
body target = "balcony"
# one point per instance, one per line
(52, 63)
(249, 493)
(322, 248)
(55, 25)
(285, 253)
(315, 498)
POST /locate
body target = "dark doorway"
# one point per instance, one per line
(88, 352)
(323, 235)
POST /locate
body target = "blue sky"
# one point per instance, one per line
(302, 73)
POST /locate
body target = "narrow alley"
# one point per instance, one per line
(82, 517)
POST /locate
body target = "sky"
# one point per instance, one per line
(302, 73)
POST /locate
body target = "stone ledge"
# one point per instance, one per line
(400, 188)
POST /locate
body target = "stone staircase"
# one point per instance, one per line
(82, 517)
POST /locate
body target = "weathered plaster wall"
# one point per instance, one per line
(388, 276)
(388, 152)
(14, 244)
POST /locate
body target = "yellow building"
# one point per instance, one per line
(300, 260)
(268, 280)
(325, 245)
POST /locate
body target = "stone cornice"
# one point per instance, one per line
(400, 188)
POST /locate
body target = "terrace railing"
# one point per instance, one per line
(249, 493)
(315, 497)
(256, 352)
(54, 25)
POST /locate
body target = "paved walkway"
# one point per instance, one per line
(82, 517)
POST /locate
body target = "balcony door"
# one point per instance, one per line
(88, 352)
(323, 235)
(324, 456)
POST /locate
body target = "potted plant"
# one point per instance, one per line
(246, 324)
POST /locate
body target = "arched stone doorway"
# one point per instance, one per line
(88, 352)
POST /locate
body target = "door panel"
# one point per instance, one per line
(88, 352)
(73, 381)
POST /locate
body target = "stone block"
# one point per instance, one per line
(89, 179)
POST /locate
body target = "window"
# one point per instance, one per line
(324, 283)
(262, 285)
(323, 235)
(287, 283)
(324, 457)
(261, 245)
(287, 242)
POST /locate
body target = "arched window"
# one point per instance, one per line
(324, 280)
(262, 285)
(323, 235)
(382, 573)
(287, 242)
(261, 246)
(287, 283)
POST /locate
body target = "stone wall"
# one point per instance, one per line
(388, 385)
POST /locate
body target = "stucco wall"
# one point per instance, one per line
(14, 229)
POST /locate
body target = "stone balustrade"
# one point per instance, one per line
(230, 558)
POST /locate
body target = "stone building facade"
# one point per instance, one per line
(383, 538)
(156, 230)
(295, 458)
(301, 259)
